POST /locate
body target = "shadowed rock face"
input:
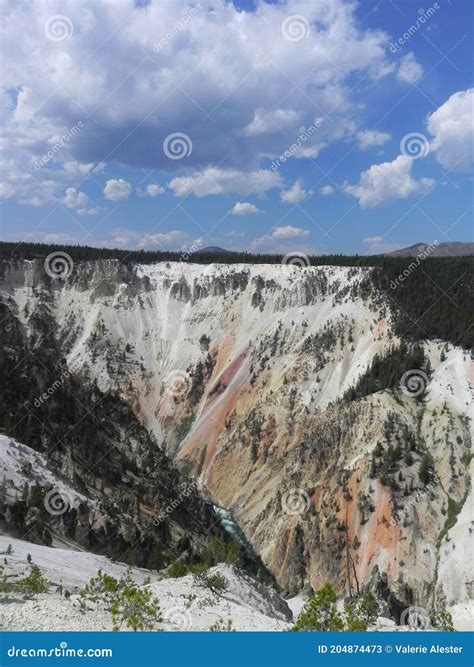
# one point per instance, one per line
(238, 373)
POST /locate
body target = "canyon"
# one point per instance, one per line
(236, 379)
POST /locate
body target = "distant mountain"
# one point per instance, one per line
(214, 250)
(448, 249)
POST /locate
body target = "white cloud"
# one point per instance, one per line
(327, 190)
(117, 189)
(370, 240)
(6, 190)
(153, 190)
(266, 122)
(245, 208)
(74, 199)
(295, 194)
(409, 70)
(270, 244)
(233, 63)
(89, 211)
(215, 181)
(168, 240)
(386, 182)
(369, 138)
(129, 238)
(452, 127)
(376, 245)
(234, 234)
(77, 169)
(38, 186)
(289, 232)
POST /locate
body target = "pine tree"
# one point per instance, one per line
(426, 468)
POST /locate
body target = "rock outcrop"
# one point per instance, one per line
(241, 375)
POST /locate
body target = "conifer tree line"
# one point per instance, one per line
(432, 300)
(386, 371)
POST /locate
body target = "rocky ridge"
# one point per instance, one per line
(240, 374)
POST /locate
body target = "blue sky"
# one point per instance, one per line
(310, 125)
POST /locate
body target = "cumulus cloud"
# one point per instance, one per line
(245, 208)
(89, 211)
(117, 189)
(409, 70)
(266, 122)
(77, 169)
(270, 244)
(171, 240)
(289, 232)
(167, 240)
(452, 128)
(370, 240)
(369, 138)
(386, 182)
(216, 181)
(295, 194)
(233, 63)
(74, 199)
(327, 190)
(153, 190)
(376, 245)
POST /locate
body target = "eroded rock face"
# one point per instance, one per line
(238, 372)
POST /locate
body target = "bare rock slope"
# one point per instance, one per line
(240, 374)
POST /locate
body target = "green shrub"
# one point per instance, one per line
(4, 585)
(177, 569)
(220, 551)
(442, 620)
(321, 614)
(131, 607)
(136, 609)
(216, 583)
(221, 626)
(362, 613)
(33, 584)
(100, 586)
